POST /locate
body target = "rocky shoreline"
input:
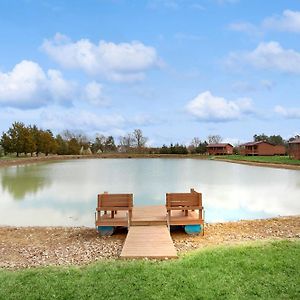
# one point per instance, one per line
(27, 247)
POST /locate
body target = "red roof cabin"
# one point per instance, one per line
(294, 149)
(219, 149)
(262, 148)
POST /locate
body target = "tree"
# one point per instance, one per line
(73, 146)
(110, 145)
(6, 143)
(36, 135)
(273, 139)
(16, 134)
(126, 142)
(214, 139)
(99, 143)
(139, 140)
(29, 141)
(48, 143)
(276, 139)
(195, 142)
(173, 149)
(201, 148)
(62, 145)
(260, 137)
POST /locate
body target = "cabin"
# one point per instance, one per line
(294, 149)
(261, 148)
(219, 149)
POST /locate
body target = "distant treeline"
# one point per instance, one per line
(22, 139)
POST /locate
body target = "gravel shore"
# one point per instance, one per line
(26, 247)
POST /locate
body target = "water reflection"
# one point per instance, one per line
(64, 193)
(22, 180)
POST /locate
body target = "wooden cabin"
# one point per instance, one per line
(262, 148)
(294, 149)
(219, 149)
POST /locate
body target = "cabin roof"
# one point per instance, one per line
(256, 143)
(296, 141)
(219, 145)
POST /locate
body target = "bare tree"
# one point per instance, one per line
(139, 140)
(214, 139)
(126, 142)
(195, 142)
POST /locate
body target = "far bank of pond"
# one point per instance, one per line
(265, 161)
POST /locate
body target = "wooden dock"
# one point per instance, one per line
(149, 226)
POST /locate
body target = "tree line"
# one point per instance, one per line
(22, 139)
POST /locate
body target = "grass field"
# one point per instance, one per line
(262, 159)
(262, 270)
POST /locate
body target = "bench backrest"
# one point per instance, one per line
(192, 199)
(115, 200)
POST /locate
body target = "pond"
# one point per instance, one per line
(64, 193)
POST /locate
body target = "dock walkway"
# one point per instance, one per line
(148, 235)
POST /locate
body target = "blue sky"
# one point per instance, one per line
(176, 69)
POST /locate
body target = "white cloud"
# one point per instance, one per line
(117, 62)
(27, 85)
(93, 93)
(288, 113)
(245, 27)
(268, 56)
(207, 107)
(60, 89)
(289, 21)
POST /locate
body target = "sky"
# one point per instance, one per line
(177, 69)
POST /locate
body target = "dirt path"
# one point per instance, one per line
(41, 246)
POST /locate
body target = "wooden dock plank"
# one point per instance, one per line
(149, 215)
(150, 242)
(179, 218)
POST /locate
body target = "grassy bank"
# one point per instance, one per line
(262, 159)
(269, 271)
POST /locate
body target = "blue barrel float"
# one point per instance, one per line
(106, 230)
(193, 229)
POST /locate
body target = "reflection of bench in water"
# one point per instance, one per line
(148, 234)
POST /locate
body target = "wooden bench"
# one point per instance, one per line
(186, 209)
(114, 210)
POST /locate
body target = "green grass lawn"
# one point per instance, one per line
(262, 270)
(265, 159)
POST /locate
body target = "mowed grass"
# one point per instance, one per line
(263, 270)
(263, 159)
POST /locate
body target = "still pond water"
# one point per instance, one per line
(64, 193)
